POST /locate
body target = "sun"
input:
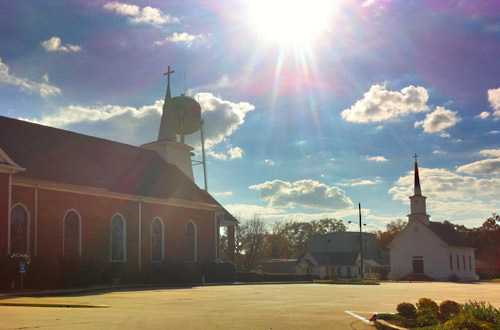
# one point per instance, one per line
(290, 21)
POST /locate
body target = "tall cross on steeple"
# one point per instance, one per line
(167, 124)
(168, 73)
(416, 156)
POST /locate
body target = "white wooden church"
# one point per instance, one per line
(430, 250)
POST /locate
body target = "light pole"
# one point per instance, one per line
(360, 239)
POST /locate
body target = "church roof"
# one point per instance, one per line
(335, 258)
(61, 156)
(448, 234)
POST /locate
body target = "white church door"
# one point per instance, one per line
(418, 265)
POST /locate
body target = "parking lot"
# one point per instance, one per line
(270, 306)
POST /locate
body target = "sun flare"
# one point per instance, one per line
(290, 21)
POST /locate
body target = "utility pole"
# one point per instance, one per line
(360, 240)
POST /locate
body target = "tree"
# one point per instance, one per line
(289, 239)
(489, 250)
(249, 242)
(391, 230)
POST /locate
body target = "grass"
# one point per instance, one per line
(347, 281)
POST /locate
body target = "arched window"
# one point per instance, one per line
(157, 240)
(191, 244)
(118, 239)
(72, 235)
(19, 229)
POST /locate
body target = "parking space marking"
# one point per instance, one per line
(359, 317)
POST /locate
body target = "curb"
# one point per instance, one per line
(20, 304)
(384, 325)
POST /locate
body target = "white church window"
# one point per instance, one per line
(451, 261)
(157, 240)
(470, 263)
(463, 261)
(72, 235)
(458, 262)
(191, 241)
(118, 239)
(19, 229)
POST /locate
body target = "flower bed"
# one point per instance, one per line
(448, 315)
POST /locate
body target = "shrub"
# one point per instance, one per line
(427, 305)
(462, 321)
(167, 272)
(453, 278)
(447, 309)
(407, 310)
(428, 312)
(481, 311)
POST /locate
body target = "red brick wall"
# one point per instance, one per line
(96, 214)
(4, 211)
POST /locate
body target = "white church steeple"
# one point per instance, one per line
(417, 201)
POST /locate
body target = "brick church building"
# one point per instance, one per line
(65, 195)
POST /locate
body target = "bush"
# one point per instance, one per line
(447, 309)
(453, 278)
(168, 272)
(428, 312)
(266, 277)
(219, 272)
(407, 310)
(481, 311)
(427, 305)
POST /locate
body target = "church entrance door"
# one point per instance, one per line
(418, 265)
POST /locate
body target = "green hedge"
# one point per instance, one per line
(219, 272)
(266, 277)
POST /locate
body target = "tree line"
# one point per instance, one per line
(284, 240)
(288, 240)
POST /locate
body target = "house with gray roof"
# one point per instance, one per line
(338, 255)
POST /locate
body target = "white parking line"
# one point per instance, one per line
(359, 317)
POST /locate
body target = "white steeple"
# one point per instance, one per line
(417, 201)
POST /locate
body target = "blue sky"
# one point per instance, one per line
(310, 106)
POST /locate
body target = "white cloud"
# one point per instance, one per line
(494, 132)
(148, 15)
(489, 166)
(439, 152)
(486, 166)
(44, 88)
(450, 194)
(494, 99)
(54, 45)
(306, 193)
(223, 193)
(269, 162)
(360, 182)
(379, 104)
(235, 153)
(185, 38)
(378, 159)
(439, 120)
(483, 115)
(222, 118)
(270, 215)
(75, 114)
(490, 152)
(232, 153)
